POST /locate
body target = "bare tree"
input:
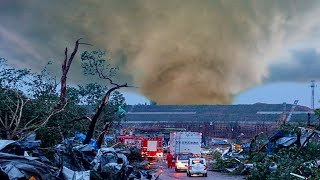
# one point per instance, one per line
(65, 69)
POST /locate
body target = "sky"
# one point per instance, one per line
(277, 93)
(176, 52)
(272, 93)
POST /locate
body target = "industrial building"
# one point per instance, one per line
(218, 121)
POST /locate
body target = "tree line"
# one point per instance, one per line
(36, 102)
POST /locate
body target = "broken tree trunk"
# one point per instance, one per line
(65, 69)
(97, 114)
(102, 134)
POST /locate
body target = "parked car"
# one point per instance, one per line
(197, 166)
(181, 161)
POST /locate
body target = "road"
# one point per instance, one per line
(170, 174)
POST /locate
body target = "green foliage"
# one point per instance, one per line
(228, 162)
(219, 165)
(259, 157)
(91, 94)
(110, 112)
(287, 163)
(24, 99)
(11, 78)
(117, 99)
(41, 92)
(98, 63)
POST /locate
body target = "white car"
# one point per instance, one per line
(181, 161)
(197, 166)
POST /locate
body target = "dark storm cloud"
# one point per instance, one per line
(303, 66)
(177, 52)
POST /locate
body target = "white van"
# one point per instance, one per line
(197, 166)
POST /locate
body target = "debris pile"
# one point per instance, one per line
(72, 161)
(293, 152)
(22, 159)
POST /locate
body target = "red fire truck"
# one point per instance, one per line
(150, 147)
(130, 140)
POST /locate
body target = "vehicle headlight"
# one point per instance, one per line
(159, 154)
(179, 164)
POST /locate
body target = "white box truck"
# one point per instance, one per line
(185, 142)
(184, 145)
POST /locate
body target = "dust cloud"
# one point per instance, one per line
(177, 52)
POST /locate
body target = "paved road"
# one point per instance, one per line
(170, 174)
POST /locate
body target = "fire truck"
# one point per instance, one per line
(130, 140)
(150, 147)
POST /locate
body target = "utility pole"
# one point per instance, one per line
(312, 93)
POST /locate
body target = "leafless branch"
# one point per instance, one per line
(65, 69)
(65, 59)
(3, 123)
(86, 44)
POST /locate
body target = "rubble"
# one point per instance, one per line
(25, 167)
(284, 155)
(72, 161)
(22, 159)
(68, 174)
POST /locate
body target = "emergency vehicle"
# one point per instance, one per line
(150, 147)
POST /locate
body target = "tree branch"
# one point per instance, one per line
(86, 44)
(95, 65)
(78, 119)
(4, 125)
(65, 59)
(14, 115)
(18, 119)
(103, 133)
(54, 112)
(65, 69)
(95, 117)
(26, 125)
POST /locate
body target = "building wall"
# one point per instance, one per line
(226, 129)
(217, 121)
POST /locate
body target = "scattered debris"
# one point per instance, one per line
(68, 174)
(72, 161)
(22, 159)
(284, 155)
